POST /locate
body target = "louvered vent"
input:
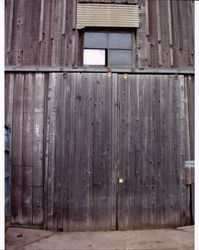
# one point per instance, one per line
(107, 15)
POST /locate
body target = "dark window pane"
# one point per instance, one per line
(120, 57)
(94, 57)
(95, 40)
(119, 41)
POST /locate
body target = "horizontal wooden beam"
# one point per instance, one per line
(154, 71)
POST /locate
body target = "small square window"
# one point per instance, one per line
(120, 57)
(95, 40)
(94, 57)
(119, 41)
(108, 49)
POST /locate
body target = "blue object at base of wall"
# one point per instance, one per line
(7, 139)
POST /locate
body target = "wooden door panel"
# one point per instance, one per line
(152, 138)
(81, 195)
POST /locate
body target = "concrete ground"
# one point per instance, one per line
(162, 239)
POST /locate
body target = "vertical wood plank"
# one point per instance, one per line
(17, 125)
(72, 153)
(37, 208)
(64, 4)
(153, 39)
(114, 150)
(52, 18)
(38, 120)
(170, 32)
(97, 185)
(175, 32)
(172, 176)
(181, 156)
(137, 149)
(143, 60)
(57, 19)
(37, 148)
(36, 18)
(46, 21)
(9, 95)
(187, 153)
(16, 211)
(57, 195)
(18, 119)
(50, 149)
(165, 29)
(154, 146)
(67, 145)
(27, 130)
(157, 168)
(26, 205)
(9, 24)
(41, 21)
(27, 157)
(18, 22)
(191, 112)
(89, 173)
(159, 33)
(27, 43)
(45, 151)
(187, 123)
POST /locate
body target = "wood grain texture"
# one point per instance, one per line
(36, 31)
(9, 92)
(150, 194)
(9, 5)
(191, 112)
(83, 154)
(24, 110)
(142, 42)
(75, 134)
(50, 151)
(37, 206)
(110, 1)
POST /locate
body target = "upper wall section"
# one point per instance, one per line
(42, 33)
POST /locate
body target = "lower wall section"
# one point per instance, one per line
(92, 151)
(25, 112)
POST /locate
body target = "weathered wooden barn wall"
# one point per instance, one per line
(37, 34)
(25, 112)
(155, 141)
(75, 134)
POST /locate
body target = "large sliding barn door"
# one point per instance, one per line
(94, 151)
(115, 151)
(153, 137)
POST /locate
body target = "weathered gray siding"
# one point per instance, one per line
(74, 134)
(25, 112)
(42, 32)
